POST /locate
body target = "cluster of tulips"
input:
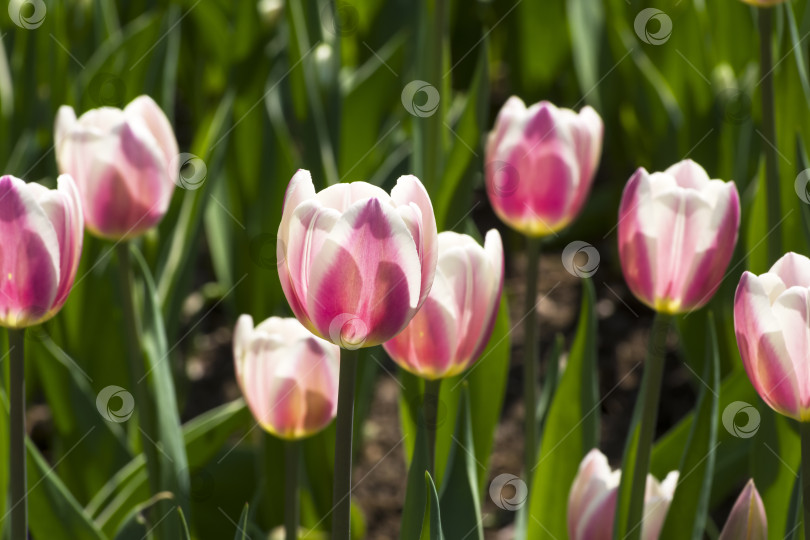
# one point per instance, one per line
(361, 267)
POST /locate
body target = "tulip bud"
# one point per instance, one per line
(592, 500)
(288, 376)
(123, 162)
(540, 164)
(454, 325)
(42, 231)
(772, 325)
(355, 263)
(747, 518)
(677, 231)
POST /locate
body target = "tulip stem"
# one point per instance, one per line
(19, 509)
(291, 451)
(774, 210)
(135, 364)
(804, 429)
(646, 412)
(430, 402)
(342, 489)
(530, 354)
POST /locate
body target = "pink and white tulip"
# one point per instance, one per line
(123, 162)
(288, 376)
(455, 323)
(747, 518)
(773, 334)
(677, 232)
(540, 164)
(592, 500)
(42, 231)
(356, 263)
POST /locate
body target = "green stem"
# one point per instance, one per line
(291, 451)
(530, 354)
(136, 365)
(804, 429)
(19, 508)
(774, 210)
(342, 489)
(431, 409)
(647, 410)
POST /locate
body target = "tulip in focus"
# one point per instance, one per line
(123, 162)
(773, 327)
(677, 231)
(592, 500)
(42, 231)
(455, 323)
(288, 376)
(747, 518)
(540, 164)
(355, 263)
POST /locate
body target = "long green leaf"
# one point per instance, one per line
(432, 523)
(415, 500)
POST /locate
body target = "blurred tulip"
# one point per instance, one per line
(747, 518)
(288, 376)
(452, 328)
(540, 164)
(592, 500)
(123, 162)
(356, 263)
(41, 232)
(773, 334)
(677, 231)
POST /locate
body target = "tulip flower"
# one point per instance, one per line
(42, 231)
(592, 500)
(288, 376)
(124, 163)
(772, 327)
(747, 518)
(355, 263)
(540, 164)
(677, 231)
(454, 325)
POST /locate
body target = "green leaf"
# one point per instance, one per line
(415, 500)
(432, 523)
(586, 23)
(686, 517)
(571, 430)
(459, 497)
(184, 523)
(241, 529)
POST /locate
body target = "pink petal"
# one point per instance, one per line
(636, 250)
(747, 518)
(793, 270)
(144, 108)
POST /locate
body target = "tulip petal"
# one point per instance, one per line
(143, 108)
(747, 518)
(793, 270)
